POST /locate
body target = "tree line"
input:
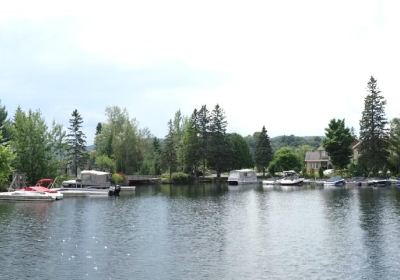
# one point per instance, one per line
(195, 145)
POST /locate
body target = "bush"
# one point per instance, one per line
(176, 178)
(117, 178)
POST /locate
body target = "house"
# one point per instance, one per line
(356, 150)
(314, 160)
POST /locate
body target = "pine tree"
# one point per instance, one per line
(263, 152)
(394, 146)
(191, 145)
(218, 145)
(169, 151)
(203, 124)
(99, 128)
(337, 143)
(76, 143)
(373, 131)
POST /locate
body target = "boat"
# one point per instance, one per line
(291, 181)
(379, 182)
(242, 176)
(335, 181)
(39, 192)
(92, 183)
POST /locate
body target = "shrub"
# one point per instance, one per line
(176, 178)
(117, 178)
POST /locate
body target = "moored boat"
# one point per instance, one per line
(336, 181)
(242, 176)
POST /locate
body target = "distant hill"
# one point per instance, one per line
(295, 141)
(286, 140)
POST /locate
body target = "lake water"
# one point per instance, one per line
(206, 232)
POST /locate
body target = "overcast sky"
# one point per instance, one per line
(289, 65)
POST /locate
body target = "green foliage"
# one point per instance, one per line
(295, 141)
(31, 144)
(337, 143)
(6, 159)
(321, 172)
(104, 163)
(59, 148)
(239, 153)
(394, 146)
(176, 178)
(118, 178)
(373, 131)
(191, 145)
(169, 152)
(263, 152)
(203, 124)
(284, 159)
(120, 139)
(218, 148)
(77, 155)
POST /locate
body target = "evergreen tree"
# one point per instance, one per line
(157, 156)
(263, 151)
(394, 146)
(203, 124)
(98, 128)
(169, 151)
(239, 151)
(218, 149)
(373, 131)
(337, 143)
(76, 143)
(191, 145)
(4, 125)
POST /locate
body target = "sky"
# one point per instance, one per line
(289, 65)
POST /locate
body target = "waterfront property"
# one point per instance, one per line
(317, 159)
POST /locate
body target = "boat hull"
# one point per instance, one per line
(30, 196)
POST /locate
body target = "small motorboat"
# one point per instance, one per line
(379, 182)
(291, 181)
(336, 181)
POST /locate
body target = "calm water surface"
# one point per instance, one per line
(206, 232)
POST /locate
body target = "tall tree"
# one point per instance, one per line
(203, 124)
(59, 148)
(240, 156)
(98, 128)
(263, 151)
(169, 151)
(6, 158)
(394, 146)
(191, 145)
(373, 131)
(218, 149)
(337, 143)
(120, 140)
(4, 125)
(30, 142)
(77, 155)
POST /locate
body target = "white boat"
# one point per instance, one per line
(92, 183)
(38, 194)
(379, 182)
(290, 181)
(242, 176)
(335, 181)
